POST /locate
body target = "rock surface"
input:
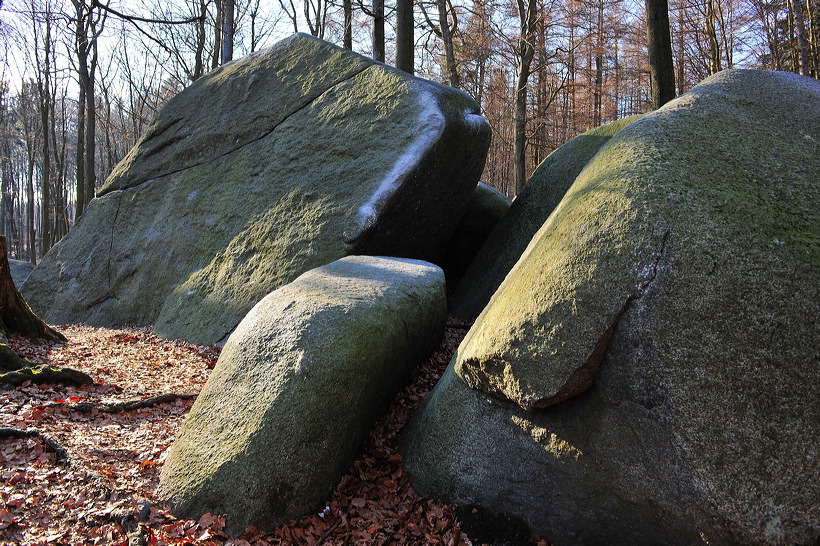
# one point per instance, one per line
(20, 271)
(685, 259)
(297, 387)
(276, 163)
(541, 194)
(486, 208)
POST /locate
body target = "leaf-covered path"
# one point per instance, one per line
(101, 490)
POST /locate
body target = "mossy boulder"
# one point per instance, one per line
(298, 386)
(682, 266)
(531, 208)
(484, 211)
(271, 165)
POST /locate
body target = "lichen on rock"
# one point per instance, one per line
(265, 168)
(693, 236)
(299, 384)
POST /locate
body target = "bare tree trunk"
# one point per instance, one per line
(681, 52)
(711, 35)
(199, 61)
(814, 46)
(527, 16)
(45, 182)
(659, 44)
(378, 30)
(800, 31)
(44, 104)
(80, 45)
(217, 53)
(7, 206)
(347, 9)
(227, 31)
(598, 90)
(444, 10)
(15, 314)
(316, 16)
(405, 40)
(725, 33)
(86, 32)
(91, 129)
(31, 231)
(60, 226)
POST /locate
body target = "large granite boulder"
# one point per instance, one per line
(276, 163)
(20, 271)
(531, 208)
(486, 208)
(684, 267)
(298, 386)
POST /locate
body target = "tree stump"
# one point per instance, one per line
(16, 317)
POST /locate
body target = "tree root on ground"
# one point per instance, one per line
(116, 407)
(133, 525)
(62, 454)
(45, 374)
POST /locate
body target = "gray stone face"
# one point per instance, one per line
(486, 208)
(298, 386)
(265, 168)
(19, 271)
(681, 266)
(542, 193)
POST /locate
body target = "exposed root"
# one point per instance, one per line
(45, 374)
(131, 405)
(62, 454)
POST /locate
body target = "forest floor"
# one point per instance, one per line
(86, 471)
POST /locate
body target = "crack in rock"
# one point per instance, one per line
(174, 140)
(581, 379)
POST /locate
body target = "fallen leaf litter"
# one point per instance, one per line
(104, 493)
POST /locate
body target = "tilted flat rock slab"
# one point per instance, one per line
(531, 208)
(298, 386)
(683, 267)
(279, 162)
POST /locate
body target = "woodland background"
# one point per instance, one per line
(81, 79)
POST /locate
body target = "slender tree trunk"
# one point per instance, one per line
(618, 77)
(91, 131)
(378, 30)
(814, 47)
(599, 67)
(227, 31)
(32, 234)
(527, 16)
(85, 42)
(217, 53)
(725, 34)
(45, 180)
(80, 155)
(199, 55)
(800, 31)
(7, 208)
(711, 35)
(447, 41)
(81, 49)
(347, 9)
(405, 39)
(572, 69)
(59, 228)
(681, 51)
(659, 44)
